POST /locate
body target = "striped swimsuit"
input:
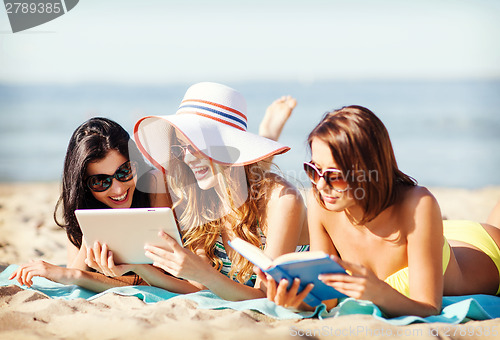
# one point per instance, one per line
(220, 252)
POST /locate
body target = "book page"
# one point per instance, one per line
(251, 253)
(299, 256)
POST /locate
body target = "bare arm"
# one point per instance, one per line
(424, 247)
(425, 262)
(278, 292)
(320, 239)
(93, 281)
(183, 263)
(157, 278)
(224, 287)
(101, 259)
(285, 220)
(96, 282)
(76, 272)
(75, 256)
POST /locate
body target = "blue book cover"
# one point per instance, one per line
(305, 265)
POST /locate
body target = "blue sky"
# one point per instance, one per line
(157, 42)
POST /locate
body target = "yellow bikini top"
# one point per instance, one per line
(400, 280)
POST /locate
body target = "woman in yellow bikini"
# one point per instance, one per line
(383, 228)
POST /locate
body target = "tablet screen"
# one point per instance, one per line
(126, 231)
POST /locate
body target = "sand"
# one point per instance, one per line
(27, 231)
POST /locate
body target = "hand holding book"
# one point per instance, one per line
(306, 266)
(285, 293)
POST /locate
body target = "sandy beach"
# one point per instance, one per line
(28, 231)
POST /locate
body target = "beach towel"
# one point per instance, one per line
(456, 309)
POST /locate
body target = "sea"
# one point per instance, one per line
(444, 133)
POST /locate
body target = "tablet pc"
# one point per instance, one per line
(126, 231)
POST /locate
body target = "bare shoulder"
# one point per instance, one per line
(420, 210)
(284, 217)
(418, 198)
(283, 193)
(281, 187)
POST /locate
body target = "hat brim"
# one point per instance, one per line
(221, 143)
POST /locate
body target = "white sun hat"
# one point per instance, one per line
(212, 117)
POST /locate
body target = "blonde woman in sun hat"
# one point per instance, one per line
(217, 178)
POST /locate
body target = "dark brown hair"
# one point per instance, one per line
(90, 142)
(362, 149)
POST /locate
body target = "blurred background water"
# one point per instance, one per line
(445, 133)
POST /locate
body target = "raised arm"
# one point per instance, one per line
(319, 240)
(285, 223)
(425, 257)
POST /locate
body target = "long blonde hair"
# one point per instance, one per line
(200, 220)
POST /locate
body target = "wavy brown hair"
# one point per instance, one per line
(361, 147)
(200, 220)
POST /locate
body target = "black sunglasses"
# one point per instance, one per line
(99, 183)
(332, 177)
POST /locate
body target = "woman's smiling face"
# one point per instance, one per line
(119, 194)
(200, 165)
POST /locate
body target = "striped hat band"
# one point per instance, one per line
(220, 113)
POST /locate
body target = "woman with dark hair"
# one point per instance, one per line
(386, 231)
(101, 171)
(93, 141)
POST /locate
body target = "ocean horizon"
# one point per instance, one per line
(444, 133)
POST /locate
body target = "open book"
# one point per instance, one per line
(304, 265)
